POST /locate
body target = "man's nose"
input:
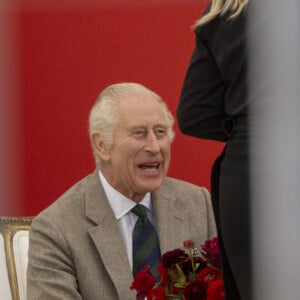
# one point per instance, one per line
(152, 144)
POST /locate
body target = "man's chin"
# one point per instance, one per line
(151, 187)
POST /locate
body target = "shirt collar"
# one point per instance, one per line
(120, 204)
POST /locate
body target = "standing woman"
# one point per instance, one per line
(213, 105)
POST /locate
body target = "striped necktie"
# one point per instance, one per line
(145, 244)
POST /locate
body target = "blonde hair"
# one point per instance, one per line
(221, 7)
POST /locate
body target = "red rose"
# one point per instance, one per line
(163, 273)
(143, 282)
(176, 290)
(157, 294)
(195, 290)
(211, 252)
(173, 257)
(208, 274)
(215, 290)
(188, 244)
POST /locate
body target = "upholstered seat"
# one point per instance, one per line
(13, 257)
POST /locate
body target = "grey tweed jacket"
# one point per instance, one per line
(76, 250)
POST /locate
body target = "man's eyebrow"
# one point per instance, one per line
(161, 125)
(137, 126)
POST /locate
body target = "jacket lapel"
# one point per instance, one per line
(173, 226)
(107, 239)
(172, 219)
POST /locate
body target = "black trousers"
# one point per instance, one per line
(230, 197)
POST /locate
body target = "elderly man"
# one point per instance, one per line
(84, 245)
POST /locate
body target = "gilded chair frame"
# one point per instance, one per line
(8, 227)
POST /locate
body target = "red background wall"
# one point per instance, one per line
(67, 53)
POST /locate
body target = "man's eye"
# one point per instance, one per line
(139, 133)
(160, 132)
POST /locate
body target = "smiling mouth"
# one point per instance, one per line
(150, 166)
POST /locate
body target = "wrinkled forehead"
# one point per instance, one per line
(139, 102)
(141, 110)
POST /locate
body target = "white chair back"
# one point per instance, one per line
(14, 242)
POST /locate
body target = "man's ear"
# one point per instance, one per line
(101, 149)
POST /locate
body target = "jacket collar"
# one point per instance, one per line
(107, 238)
(172, 218)
(172, 221)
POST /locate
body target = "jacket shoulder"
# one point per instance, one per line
(71, 200)
(180, 186)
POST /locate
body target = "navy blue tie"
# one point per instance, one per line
(145, 244)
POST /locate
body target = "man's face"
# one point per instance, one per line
(140, 155)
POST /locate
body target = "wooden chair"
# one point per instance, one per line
(14, 242)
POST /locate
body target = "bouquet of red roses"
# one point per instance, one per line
(190, 274)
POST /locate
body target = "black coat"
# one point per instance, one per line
(214, 90)
(213, 105)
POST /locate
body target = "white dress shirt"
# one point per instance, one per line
(126, 219)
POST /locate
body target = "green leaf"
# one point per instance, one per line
(180, 285)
